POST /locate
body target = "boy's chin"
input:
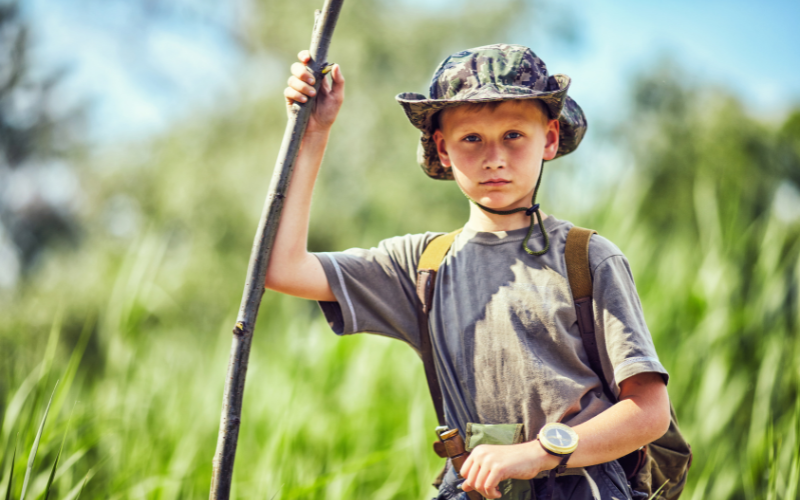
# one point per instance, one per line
(503, 203)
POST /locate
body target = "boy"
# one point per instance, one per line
(503, 324)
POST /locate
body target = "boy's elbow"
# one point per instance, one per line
(660, 412)
(663, 423)
(282, 273)
(275, 280)
(649, 393)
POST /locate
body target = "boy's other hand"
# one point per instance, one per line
(301, 87)
(488, 464)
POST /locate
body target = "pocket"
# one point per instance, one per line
(515, 489)
(478, 434)
(504, 434)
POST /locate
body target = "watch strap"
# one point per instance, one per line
(562, 466)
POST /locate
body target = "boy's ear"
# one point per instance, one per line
(444, 158)
(551, 139)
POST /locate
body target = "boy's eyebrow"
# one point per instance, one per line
(477, 122)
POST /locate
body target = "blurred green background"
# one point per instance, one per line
(125, 283)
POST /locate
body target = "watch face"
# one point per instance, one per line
(559, 438)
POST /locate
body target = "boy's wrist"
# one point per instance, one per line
(318, 133)
(548, 461)
(316, 139)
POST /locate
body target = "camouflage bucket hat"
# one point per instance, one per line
(492, 73)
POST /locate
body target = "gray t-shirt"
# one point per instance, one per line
(506, 342)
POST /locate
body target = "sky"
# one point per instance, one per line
(184, 60)
(751, 48)
(139, 65)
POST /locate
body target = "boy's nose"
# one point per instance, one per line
(495, 157)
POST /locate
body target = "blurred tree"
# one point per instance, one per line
(36, 184)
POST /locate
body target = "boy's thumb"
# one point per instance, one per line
(336, 74)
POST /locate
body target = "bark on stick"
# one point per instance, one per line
(324, 23)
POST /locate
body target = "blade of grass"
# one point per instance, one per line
(53, 473)
(81, 491)
(14, 408)
(35, 447)
(76, 492)
(658, 491)
(11, 473)
(49, 355)
(74, 362)
(55, 464)
(69, 462)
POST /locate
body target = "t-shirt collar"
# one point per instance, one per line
(502, 237)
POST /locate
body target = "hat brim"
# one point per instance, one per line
(420, 111)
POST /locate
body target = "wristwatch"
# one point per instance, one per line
(559, 440)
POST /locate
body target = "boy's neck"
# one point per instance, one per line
(482, 221)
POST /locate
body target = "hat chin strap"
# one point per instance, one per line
(534, 209)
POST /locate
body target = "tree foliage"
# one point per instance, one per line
(34, 141)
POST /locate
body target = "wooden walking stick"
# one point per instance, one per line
(324, 23)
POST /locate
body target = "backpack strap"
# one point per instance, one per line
(576, 253)
(427, 268)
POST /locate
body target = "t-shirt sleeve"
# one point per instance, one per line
(375, 288)
(619, 317)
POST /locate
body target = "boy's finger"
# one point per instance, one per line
(304, 56)
(336, 75)
(490, 486)
(480, 481)
(300, 71)
(466, 467)
(337, 83)
(293, 96)
(474, 470)
(301, 86)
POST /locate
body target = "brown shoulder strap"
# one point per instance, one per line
(576, 254)
(428, 265)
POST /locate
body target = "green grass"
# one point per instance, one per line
(343, 418)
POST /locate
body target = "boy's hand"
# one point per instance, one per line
(488, 464)
(301, 87)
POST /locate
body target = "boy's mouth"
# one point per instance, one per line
(495, 182)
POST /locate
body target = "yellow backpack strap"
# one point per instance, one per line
(428, 265)
(434, 253)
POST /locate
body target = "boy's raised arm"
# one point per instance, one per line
(292, 269)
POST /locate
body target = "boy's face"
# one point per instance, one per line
(496, 152)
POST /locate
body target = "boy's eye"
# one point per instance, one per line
(513, 135)
(472, 138)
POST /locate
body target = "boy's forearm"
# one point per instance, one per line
(292, 269)
(640, 417)
(634, 421)
(637, 419)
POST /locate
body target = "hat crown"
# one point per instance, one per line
(511, 69)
